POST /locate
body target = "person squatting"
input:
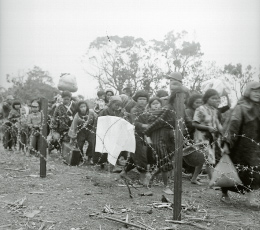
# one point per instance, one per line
(221, 130)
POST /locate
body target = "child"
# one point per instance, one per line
(161, 131)
(34, 123)
(83, 128)
(158, 138)
(207, 131)
(139, 158)
(23, 130)
(113, 109)
(13, 117)
(100, 102)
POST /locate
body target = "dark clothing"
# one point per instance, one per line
(84, 129)
(139, 158)
(161, 132)
(189, 114)
(62, 119)
(109, 112)
(243, 136)
(220, 111)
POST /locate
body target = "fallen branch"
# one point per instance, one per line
(20, 170)
(4, 226)
(124, 222)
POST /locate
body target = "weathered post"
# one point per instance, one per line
(43, 137)
(178, 156)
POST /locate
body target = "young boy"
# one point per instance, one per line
(34, 123)
(100, 101)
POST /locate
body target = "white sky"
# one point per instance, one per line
(55, 34)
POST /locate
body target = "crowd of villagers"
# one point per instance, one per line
(154, 119)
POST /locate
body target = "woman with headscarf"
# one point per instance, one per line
(83, 128)
(162, 132)
(242, 143)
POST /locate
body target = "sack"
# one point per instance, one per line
(225, 174)
(219, 85)
(68, 82)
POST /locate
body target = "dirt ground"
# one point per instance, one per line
(74, 198)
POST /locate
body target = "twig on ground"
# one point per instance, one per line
(4, 226)
(147, 227)
(126, 223)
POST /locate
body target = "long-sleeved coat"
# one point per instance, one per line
(243, 137)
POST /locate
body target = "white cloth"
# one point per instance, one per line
(113, 135)
(221, 86)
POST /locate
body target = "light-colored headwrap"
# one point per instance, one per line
(124, 99)
(250, 86)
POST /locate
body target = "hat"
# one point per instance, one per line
(250, 86)
(209, 93)
(115, 98)
(141, 93)
(162, 93)
(10, 97)
(175, 76)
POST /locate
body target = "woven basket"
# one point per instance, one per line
(194, 155)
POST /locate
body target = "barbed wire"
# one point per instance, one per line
(15, 138)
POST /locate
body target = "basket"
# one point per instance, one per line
(194, 155)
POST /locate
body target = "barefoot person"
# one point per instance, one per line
(207, 131)
(162, 133)
(242, 140)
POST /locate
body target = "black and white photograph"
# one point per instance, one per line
(129, 114)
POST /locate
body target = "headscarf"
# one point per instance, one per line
(124, 99)
(251, 109)
(141, 93)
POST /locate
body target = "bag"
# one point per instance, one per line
(219, 85)
(225, 174)
(68, 82)
(70, 154)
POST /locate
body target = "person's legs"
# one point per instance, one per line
(196, 174)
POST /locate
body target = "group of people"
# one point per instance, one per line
(154, 119)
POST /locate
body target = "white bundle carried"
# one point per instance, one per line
(219, 85)
(68, 82)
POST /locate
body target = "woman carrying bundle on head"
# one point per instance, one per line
(242, 143)
(82, 130)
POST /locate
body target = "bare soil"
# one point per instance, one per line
(74, 198)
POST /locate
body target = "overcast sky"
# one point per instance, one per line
(55, 34)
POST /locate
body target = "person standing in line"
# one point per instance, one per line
(207, 131)
(242, 143)
(63, 116)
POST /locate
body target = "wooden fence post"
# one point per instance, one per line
(177, 200)
(43, 137)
